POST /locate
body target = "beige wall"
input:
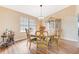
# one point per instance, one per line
(69, 23)
(11, 19)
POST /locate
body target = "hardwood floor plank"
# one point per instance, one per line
(65, 47)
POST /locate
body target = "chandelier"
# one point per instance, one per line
(41, 17)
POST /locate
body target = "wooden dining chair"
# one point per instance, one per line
(55, 39)
(42, 40)
(28, 38)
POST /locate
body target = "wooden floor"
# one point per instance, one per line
(21, 47)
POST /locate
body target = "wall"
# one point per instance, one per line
(11, 19)
(69, 22)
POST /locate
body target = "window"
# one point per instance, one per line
(23, 23)
(50, 27)
(47, 26)
(27, 22)
(32, 25)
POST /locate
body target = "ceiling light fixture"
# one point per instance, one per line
(41, 17)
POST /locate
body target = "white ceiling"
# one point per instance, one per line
(34, 10)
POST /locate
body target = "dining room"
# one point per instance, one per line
(39, 29)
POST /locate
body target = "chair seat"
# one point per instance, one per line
(42, 46)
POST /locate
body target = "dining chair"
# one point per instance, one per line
(56, 38)
(42, 41)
